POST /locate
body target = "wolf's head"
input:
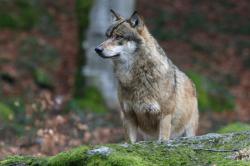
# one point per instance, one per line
(123, 37)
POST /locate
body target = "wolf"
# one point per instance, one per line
(157, 99)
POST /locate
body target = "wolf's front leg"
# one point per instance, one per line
(130, 127)
(164, 128)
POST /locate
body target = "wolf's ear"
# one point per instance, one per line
(115, 16)
(135, 20)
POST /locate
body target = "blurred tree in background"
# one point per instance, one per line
(45, 106)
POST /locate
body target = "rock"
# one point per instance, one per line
(211, 149)
(105, 151)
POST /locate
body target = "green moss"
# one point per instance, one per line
(201, 150)
(235, 127)
(116, 160)
(73, 157)
(21, 160)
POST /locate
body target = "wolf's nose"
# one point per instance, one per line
(98, 50)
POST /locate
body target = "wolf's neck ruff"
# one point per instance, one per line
(145, 53)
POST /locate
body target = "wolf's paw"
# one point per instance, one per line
(160, 141)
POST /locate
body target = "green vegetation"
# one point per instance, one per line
(72, 157)
(211, 96)
(201, 47)
(235, 127)
(85, 98)
(160, 22)
(91, 100)
(197, 19)
(39, 59)
(24, 14)
(193, 21)
(42, 78)
(238, 28)
(211, 149)
(82, 9)
(13, 109)
(6, 112)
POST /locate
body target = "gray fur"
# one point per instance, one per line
(157, 99)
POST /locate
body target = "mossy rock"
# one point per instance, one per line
(210, 149)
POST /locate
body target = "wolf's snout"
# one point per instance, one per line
(99, 50)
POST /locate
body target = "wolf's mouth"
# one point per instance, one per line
(106, 57)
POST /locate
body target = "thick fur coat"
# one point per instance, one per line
(157, 99)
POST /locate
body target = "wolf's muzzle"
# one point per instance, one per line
(99, 50)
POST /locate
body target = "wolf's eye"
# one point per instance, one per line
(117, 37)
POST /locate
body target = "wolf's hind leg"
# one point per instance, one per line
(192, 126)
(189, 132)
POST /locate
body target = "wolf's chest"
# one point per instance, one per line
(143, 106)
(146, 115)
